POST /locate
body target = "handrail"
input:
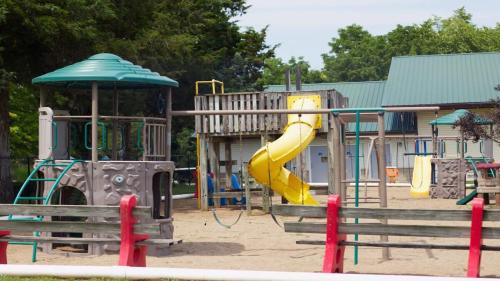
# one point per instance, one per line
(107, 117)
(300, 111)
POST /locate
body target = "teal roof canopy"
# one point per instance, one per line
(108, 70)
(452, 118)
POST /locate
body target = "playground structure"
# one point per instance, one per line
(448, 175)
(137, 163)
(235, 124)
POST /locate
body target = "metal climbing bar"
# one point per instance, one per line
(45, 200)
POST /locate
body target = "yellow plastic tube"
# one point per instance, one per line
(266, 165)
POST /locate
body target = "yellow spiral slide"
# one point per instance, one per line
(266, 165)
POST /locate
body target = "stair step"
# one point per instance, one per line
(25, 218)
(21, 243)
(44, 179)
(55, 165)
(31, 198)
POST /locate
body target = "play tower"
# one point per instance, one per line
(101, 152)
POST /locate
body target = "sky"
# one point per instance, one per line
(304, 27)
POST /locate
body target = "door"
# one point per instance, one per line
(319, 163)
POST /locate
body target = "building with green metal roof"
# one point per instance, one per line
(450, 81)
(363, 94)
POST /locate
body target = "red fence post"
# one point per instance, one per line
(3, 247)
(130, 253)
(476, 238)
(333, 261)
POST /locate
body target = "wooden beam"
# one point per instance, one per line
(390, 214)
(394, 230)
(74, 227)
(69, 210)
(400, 245)
(203, 172)
(266, 194)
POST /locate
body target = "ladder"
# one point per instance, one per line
(22, 198)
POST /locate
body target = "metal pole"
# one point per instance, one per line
(344, 111)
(43, 97)
(382, 177)
(168, 112)
(356, 180)
(114, 152)
(95, 116)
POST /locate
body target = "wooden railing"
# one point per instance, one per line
(255, 123)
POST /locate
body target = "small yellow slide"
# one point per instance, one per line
(421, 180)
(266, 165)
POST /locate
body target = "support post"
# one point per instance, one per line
(248, 194)
(228, 164)
(168, 112)
(3, 247)
(114, 151)
(333, 262)
(298, 78)
(462, 146)
(202, 173)
(130, 253)
(476, 238)
(213, 155)
(382, 176)
(335, 157)
(43, 97)
(95, 119)
(266, 192)
(287, 80)
(342, 167)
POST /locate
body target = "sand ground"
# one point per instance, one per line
(257, 243)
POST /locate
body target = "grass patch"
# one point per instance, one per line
(44, 278)
(183, 188)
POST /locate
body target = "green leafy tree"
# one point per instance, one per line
(356, 55)
(275, 68)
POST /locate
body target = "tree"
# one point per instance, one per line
(186, 40)
(356, 55)
(275, 68)
(471, 130)
(6, 191)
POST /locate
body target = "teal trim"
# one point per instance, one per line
(45, 199)
(55, 135)
(138, 143)
(358, 110)
(104, 135)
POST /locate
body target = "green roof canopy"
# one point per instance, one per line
(452, 118)
(108, 70)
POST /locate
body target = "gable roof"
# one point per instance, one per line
(362, 95)
(443, 79)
